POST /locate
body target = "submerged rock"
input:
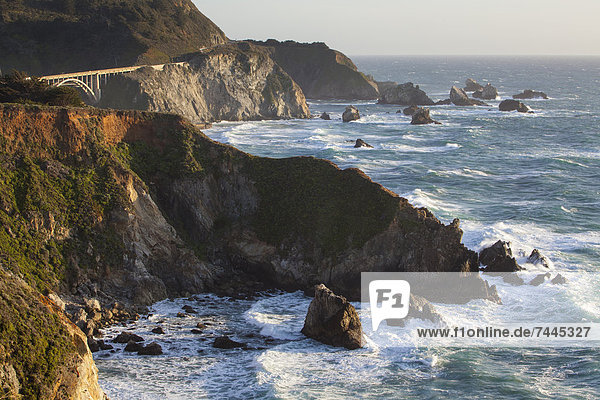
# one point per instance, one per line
(530, 94)
(224, 342)
(499, 258)
(422, 117)
(404, 94)
(559, 280)
(539, 279)
(419, 308)
(537, 258)
(361, 143)
(325, 116)
(410, 110)
(487, 93)
(332, 320)
(445, 102)
(158, 330)
(513, 105)
(460, 98)
(471, 85)
(351, 114)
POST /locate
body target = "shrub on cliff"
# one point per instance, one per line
(19, 88)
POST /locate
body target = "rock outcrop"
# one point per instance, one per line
(513, 105)
(499, 258)
(236, 82)
(471, 85)
(405, 94)
(458, 97)
(530, 94)
(42, 354)
(361, 143)
(325, 116)
(332, 320)
(321, 72)
(422, 117)
(38, 37)
(537, 258)
(487, 93)
(351, 114)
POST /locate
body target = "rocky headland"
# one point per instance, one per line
(129, 208)
(234, 82)
(321, 72)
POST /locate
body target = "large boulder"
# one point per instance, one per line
(351, 114)
(499, 258)
(471, 85)
(332, 320)
(460, 98)
(513, 105)
(487, 93)
(405, 94)
(530, 94)
(224, 342)
(422, 117)
(153, 349)
(325, 116)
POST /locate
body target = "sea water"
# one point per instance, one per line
(531, 179)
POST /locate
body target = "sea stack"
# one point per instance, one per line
(332, 320)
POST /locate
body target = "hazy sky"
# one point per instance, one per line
(418, 26)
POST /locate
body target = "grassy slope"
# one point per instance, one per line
(38, 35)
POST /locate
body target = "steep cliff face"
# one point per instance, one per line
(321, 72)
(48, 36)
(231, 82)
(42, 354)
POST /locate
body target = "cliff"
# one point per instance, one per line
(231, 82)
(42, 354)
(135, 207)
(49, 36)
(321, 72)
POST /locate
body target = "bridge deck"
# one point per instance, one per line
(123, 70)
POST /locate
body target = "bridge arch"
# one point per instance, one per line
(80, 84)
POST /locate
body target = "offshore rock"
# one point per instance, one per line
(445, 102)
(235, 82)
(537, 258)
(460, 98)
(405, 94)
(361, 143)
(530, 94)
(351, 114)
(559, 280)
(513, 105)
(409, 110)
(153, 349)
(332, 320)
(471, 85)
(487, 93)
(539, 279)
(224, 342)
(321, 72)
(499, 258)
(325, 116)
(422, 117)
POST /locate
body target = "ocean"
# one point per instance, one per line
(531, 179)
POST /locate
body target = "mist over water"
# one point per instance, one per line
(532, 179)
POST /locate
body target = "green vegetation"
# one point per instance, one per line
(17, 87)
(37, 36)
(36, 342)
(277, 82)
(41, 198)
